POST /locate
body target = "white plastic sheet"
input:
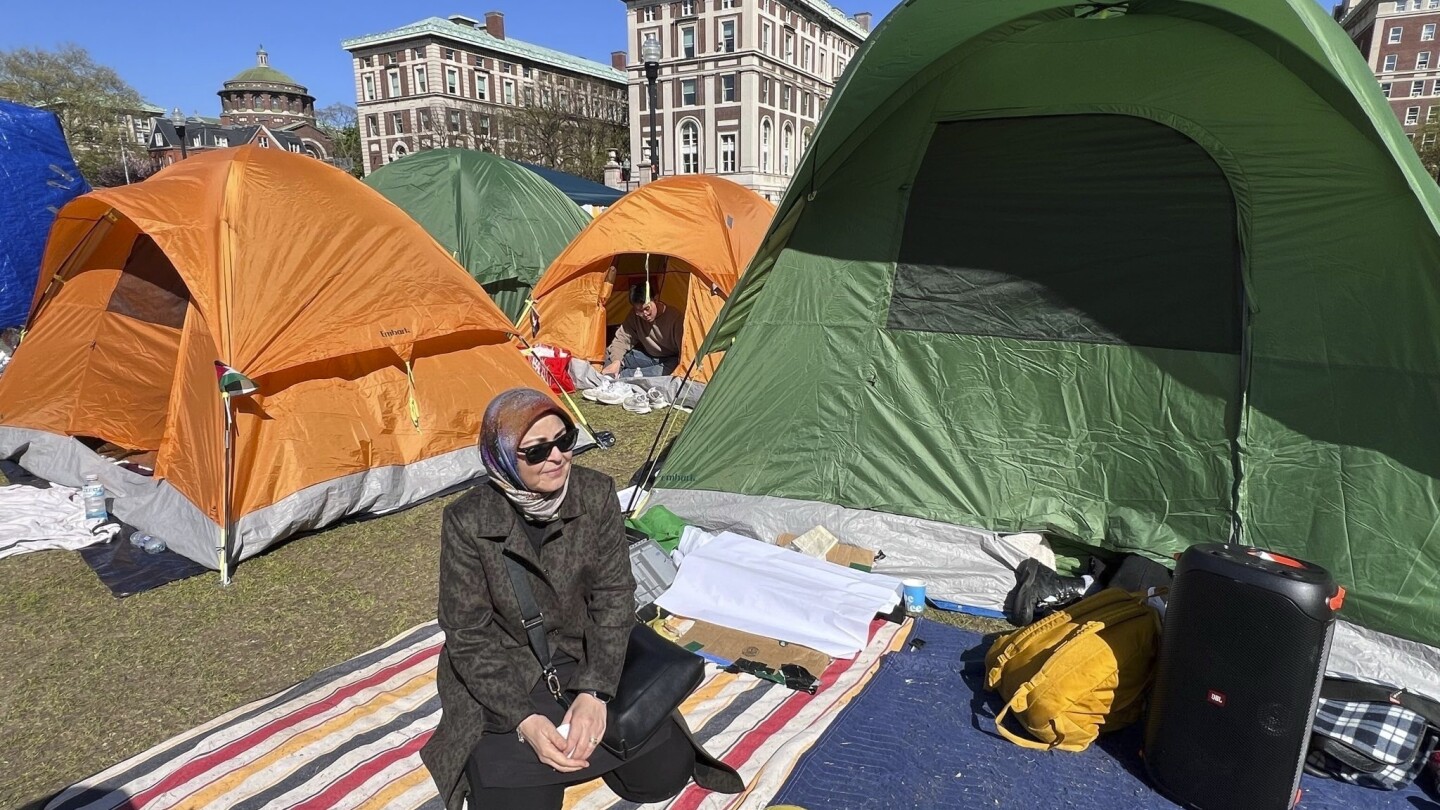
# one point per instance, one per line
(747, 585)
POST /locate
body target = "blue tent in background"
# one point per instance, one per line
(37, 177)
(578, 189)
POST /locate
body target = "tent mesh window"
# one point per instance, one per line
(149, 289)
(1138, 243)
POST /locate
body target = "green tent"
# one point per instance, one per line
(1139, 276)
(503, 222)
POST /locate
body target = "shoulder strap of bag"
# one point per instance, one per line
(534, 625)
(1361, 692)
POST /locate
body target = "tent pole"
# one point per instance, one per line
(224, 549)
(648, 468)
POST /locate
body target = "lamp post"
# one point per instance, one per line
(178, 120)
(650, 55)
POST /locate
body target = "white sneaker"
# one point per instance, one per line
(593, 394)
(637, 403)
(657, 399)
(615, 393)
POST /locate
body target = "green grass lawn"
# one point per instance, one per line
(91, 680)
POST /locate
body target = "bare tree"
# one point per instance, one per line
(552, 132)
(91, 100)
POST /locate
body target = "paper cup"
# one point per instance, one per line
(914, 596)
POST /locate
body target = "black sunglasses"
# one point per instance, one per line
(537, 453)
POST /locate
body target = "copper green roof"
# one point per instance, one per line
(262, 75)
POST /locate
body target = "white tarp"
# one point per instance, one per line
(34, 519)
(747, 585)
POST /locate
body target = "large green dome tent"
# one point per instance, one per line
(501, 221)
(1140, 275)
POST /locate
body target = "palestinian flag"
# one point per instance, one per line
(233, 382)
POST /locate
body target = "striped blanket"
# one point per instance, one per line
(350, 737)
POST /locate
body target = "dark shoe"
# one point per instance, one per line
(1039, 590)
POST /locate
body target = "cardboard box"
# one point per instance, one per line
(862, 559)
(732, 645)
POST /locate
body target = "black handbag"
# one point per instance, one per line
(657, 677)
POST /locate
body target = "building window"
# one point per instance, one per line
(1395, 35)
(1422, 60)
(424, 123)
(400, 151)
(839, 67)
(1385, 89)
(421, 85)
(1431, 4)
(394, 83)
(1417, 89)
(808, 56)
(765, 138)
(369, 83)
(454, 120)
(785, 97)
(452, 81)
(687, 42)
(764, 91)
(484, 126)
(727, 153)
(1427, 32)
(687, 92)
(787, 145)
(389, 58)
(482, 86)
(372, 126)
(1432, 115)
(419, 53)
(727, 36)
(729, 4)
(649, 13)
(221, 141)
(1412, 116)
(1400, 5)
(1390, 62)
(805, 139)
(364, 61)
(727, 87)
(449, 54)
(529, 72)
(397, 123)
(264, 142)
(789, 47)
(1435, 90)
(805, 106)
(508, 91)
(765, 37)
(689, 148)
(1428, 139)
(687, 8)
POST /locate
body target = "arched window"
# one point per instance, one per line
(689, 148)
(805, 137)
(765, 137)
(787, 146)
(399, 152)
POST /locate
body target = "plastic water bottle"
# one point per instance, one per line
(153, 544)
(138, 538)
(94, 495)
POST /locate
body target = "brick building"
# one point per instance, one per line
(259, 105)
(461, 82)
(742, 83)
(1398, 39)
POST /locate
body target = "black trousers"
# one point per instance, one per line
(654, 776)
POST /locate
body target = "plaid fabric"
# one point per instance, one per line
(1376, 745)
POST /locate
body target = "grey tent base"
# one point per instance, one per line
(154, 506)
(976, 567)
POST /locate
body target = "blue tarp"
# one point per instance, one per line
(37, 177)
(920, 735)
(578, 189)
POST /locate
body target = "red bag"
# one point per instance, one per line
(553, 365)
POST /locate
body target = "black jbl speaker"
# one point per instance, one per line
(1247, 633)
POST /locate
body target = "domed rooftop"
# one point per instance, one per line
(262, 73)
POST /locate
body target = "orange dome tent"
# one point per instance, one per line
(374, 353)
(697, 232)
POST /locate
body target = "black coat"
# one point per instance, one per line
(584, 590)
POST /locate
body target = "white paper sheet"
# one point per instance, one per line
(747, 585)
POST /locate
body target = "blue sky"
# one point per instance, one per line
(179, 54)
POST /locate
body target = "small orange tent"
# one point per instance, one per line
(698, 232)
(374, 353)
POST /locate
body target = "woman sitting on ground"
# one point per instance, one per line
(498, 738)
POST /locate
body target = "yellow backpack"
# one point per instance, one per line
(1077, 672)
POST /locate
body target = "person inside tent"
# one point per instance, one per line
(647, 344)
